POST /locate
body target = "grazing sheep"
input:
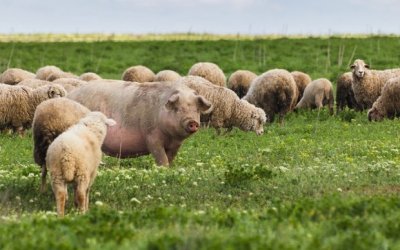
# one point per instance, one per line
(138, 73)
(14, 75)
(33, 83)
(367, 84)
(74, 156)
(166, 75)
(344, 93)
(240, 81)
(51, 118)
(209, 71)
(70, 83)
(302, 80)
(45, 71)
(388, 103)
(89, 76)
(317, 94)
(274, 91)
(60, 74)
(19, 104)
(229, 110)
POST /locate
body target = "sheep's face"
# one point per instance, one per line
(375, 115)
(56, 90)
(258, 119)
(359, 67)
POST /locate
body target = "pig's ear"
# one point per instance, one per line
(172, 102)
(204, 105)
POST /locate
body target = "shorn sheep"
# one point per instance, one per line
(138, 73)
(44, 72)
(89, 76)
(166, 75)
(367, 84)
(344, 93)
(74, 156)
(52, 117)
(388, 103)
(317, 94)
(302, 80)
(229, 111)
(210, 71)
(274, 91)
(19, 104)
(239, 81)
(13, 76)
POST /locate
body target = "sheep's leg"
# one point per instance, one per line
(81, 197)
(44, 174)
(87, 199)
(60, 191)
(76, 202)
(21, 131)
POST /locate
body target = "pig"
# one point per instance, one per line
(153, 118)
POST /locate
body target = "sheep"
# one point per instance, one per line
(274, 91)
(13, 76)
(302, 80)
(240, 81)
(69, 83)
(19, 104)
(51, 118)
(166, 75)
(60, 74)
(229, 110)
(74, 156)
(138, 73)
(388, 103)
(344, 93)
(33, 83)
(43, 72)
(209, 71)
(317, 94)
(89, 76)
(367, 84)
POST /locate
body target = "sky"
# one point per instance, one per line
(253, 17)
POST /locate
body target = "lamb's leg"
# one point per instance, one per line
(60, 191)
(44, 174)
(81, 196)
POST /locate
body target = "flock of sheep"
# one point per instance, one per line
(160, 110)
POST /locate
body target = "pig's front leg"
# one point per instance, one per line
(156, 148)
(172, 152)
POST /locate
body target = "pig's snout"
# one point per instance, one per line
(192, 126)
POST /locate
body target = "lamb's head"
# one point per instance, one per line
(55, 90)
(359, 67)
(375, 115)
(97, 123)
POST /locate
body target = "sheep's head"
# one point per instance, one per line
(375, 115)
(359, 67)
(56, 90)
(258, 120)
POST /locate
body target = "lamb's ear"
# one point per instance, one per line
(110, 122)
(172, 102)
(204, 105)
(367, 66)
(352, 66)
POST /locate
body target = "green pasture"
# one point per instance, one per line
(317, 182)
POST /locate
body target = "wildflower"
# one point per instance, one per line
(99, 203)
(135, 200)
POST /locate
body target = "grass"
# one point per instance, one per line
(318, 182)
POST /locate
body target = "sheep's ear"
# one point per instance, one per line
(172, 102)
(352, 66)
(204, 105)
(110, 122)
(367, 66)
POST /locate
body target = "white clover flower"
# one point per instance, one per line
(195, 183)
(339, 190)
(30, 175)
(99, 203)
(31, 200)
(200, 164)
(97, 193)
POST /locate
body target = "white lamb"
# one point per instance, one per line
(74, 157)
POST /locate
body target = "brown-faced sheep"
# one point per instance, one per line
(302, 80)
(209, 71)
(367, 84)
(18, 104)
(344, 93)
(51, 118)
(239, 81)
(317, 94)
(74, 156)
(44, 72)
(60, 74)
(166, 75)
(69, 84)
(229, 111)
(274, 91)
(13, 76)
(388, 103)
(138, 73)
(89, 76)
